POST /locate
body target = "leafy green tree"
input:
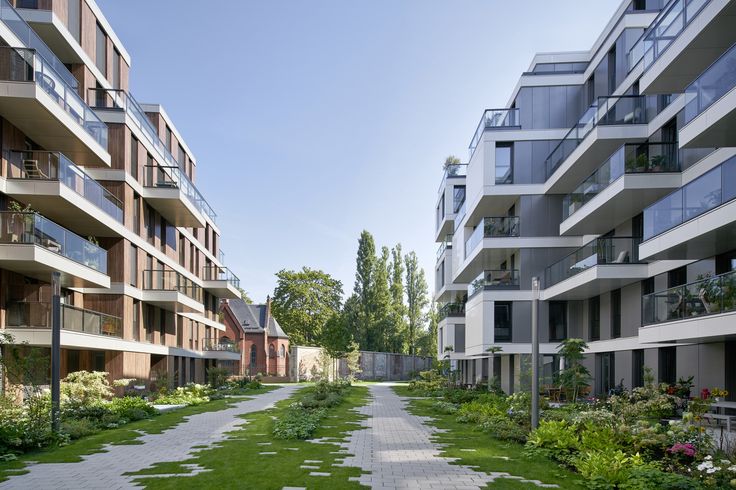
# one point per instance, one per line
(427, 342)
(303, 302)
(364, 284)
(398, 330)
(244, 296)
(380, 304)
(416, 298)
(336, 339)
(575, 376)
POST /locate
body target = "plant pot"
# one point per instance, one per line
(718, 399)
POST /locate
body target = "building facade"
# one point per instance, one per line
(610, 175)
(257, 336)
(100, 188)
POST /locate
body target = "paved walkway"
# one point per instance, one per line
(396, 448)
(105, 470)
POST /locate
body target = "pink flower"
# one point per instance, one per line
(684, 449)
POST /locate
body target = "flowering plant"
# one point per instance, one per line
(718, 393)
(704, 394)
(686, 449)
(718, 474)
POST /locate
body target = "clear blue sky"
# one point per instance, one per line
(314, 120)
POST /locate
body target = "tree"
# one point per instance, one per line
(303, 302)
(244, 295)
(380, 304)
(353, 360)
(365, 267)
(575, 376)
(398, 335)
(335, 338)
(416, 298)
(427, 341)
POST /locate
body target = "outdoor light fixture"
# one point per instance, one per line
(535, 352)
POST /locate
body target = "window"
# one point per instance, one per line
(606, 372)
(148, 314)
(26, 4)
(458, 198)
(557, 320)
(150, 172)
(271, 351)
(72, 361)
(74, 18)
(253, 355)
(616, 313)
(162, 317)
(163, 234)
(502, 321)
(168, 138)
(134, 157)
(667, 365)
(182, 251)
(137, 214)
(182, 160)
(136, 321)
(133, 265)
(101, 50)
(282, 351)
(594, 318)
(504, 172)
(459, 338)
(99, 361)
(637, 368)
(207, 237)
(115, 68)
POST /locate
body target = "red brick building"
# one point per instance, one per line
(264, 346)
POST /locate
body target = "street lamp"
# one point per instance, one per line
(535, 352)
(55, 349)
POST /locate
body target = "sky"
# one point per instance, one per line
(314, 120)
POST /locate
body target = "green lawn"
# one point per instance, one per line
(236, 462)
(126, 434)
(490, 454)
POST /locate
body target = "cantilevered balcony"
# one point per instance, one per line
(686, 37)
(221, 282)
(605, 126)
(216, 349)
(451, 310)
(37, 100)
(450, 206)
(695, 221)
(171, 291)
(164, 182)
(494, 119)
(493, 227)
(497, 279)
(35, 246)
(636, 175)
(701, 310)
(26, 314)
(710, 105)
(51, 184)
(599, 266)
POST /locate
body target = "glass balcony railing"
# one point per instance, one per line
(601, 251)
(26, 228)
(46, 165)
(217, 273)
(24, 314)
(447, 243)
(494, 279)
(606, 111)
(30, 39)
(174, 178)
(494, 227)
(707, 192)
(121, 100)
(634, 158)
(711, 85)
(494, 119)
(214, 345)
(451, 309)
(709, 295)
(460, 214)
(668, 25)
(26, 65)
(168, 280)
(453, 170)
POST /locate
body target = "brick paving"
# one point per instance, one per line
(106, 470)
(396, 448)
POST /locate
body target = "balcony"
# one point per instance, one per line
(35, 246)
(451, 309)
(215, 345)
(166, 176)
(493, 119)
(46, 108)
(695, 311)
(444, 246)
(710, 106)
(453, 171)
(50, 183)
(686, 37)
(599, 266)
(493, 227)
(633, 177)
(22, 314)
(171, 291)
(171, 193)
(221, 282)
(696, 221)
(606, 125)
(494, 280)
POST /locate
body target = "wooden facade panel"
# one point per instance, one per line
(89, 24)
(118, 145)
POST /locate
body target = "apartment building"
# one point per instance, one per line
(610, 175)
(101, 188)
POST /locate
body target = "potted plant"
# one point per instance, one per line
(451, 165)
(656, 164)
(636, 164)
(718, 394)
(91, 252)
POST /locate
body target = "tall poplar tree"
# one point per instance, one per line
(364, 283)
(380, 300)
(398, 334)
(416, 298)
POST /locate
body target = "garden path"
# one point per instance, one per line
(396, 447)
(106, 470)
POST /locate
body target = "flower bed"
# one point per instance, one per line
(302, 418)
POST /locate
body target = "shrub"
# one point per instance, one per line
(131, 408)
(217, 377)
(647, 478)
(556, 439)
(442, 406)
(502, 427)
(85, 388)
(25, 427)
(78, 428)
(191, 394)
(606, 469)
(297, 422)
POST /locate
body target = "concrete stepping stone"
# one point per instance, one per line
(309, 467)
(267, 453)
(319, 473)
(313, 461)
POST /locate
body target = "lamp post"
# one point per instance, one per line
(55, 349)
(535, 352)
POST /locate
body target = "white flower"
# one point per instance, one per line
(732, 468)
(708, 458)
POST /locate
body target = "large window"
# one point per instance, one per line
(168, 138)
(594, 318)
(137, 214)
(504, 171)
(502, 321)
(253, 357)
(606, 372)
(616, 313)
(637, 368)
(133, 264)
(668, 365)
(458, 198)
(74, 18)
(557, 320)
(115, 68)
(101, 50)
(134, 157)
(136, 320)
